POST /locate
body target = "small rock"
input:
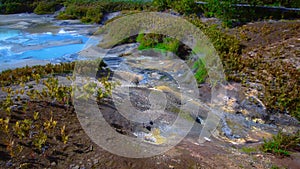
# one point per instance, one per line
(9, 164)
(150, 139)
(64, 23)
(136, 81)
(76, 167)
(148, 128)
(171, 166)
(20, 107)
(91, 148)
(53, 163)
(96, 161)
(207, 139)
(238, 112)
(199, 120)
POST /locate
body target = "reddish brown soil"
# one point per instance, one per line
(80, 151)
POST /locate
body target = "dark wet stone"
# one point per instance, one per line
(148, 128)
(64, 23)
(9, 164)
(76, 167)
(227, 131)
(151, 122)
(238, 112)
(199, 120)
(136, 81)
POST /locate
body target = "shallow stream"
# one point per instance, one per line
(29, 39)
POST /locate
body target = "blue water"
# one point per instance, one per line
(7, 33)
(16, 45)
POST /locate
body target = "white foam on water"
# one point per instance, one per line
(62, 31)
(5, 51)
(5, 47)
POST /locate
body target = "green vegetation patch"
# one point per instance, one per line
(25, 74)
(154, 41)
(282, 143)
(271, 65)
(36, 6)
(16, 6)
(201, 72)
(248, 150)
(47, 7)
(228, 47)
(164, 43)
(93, 11)
(180, 6)
(231, 14)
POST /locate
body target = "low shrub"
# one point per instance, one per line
(64, 16)
(233, 15)
(93, 15)
(278, 79)
(282, 143)
(285, 3)
(157, 41)
(25, 74)
(227, 46)
(93, 11)
(180, 6)
(37, 6)
(162, 4)
(46, 7)
(40, 130)
(16, 7)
